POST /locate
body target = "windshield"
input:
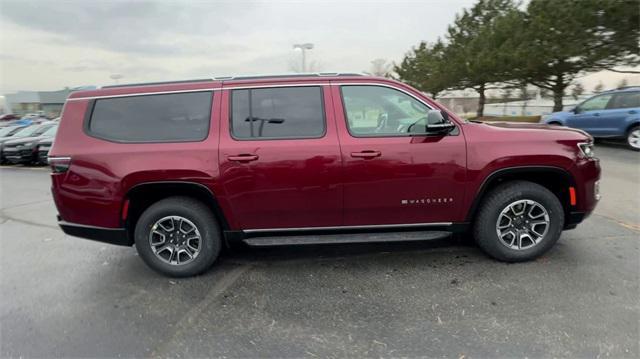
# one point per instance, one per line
(51, 132)
(5, 131)
(30, 131)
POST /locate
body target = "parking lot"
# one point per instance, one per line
(69, 297)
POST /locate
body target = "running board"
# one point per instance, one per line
(346, 238)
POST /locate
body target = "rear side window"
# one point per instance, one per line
(625, 100)
(176, 117)
(273, 113)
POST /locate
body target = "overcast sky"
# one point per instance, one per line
(47, 45)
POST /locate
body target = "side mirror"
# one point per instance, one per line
(438, 122)
(435, 123)
(575, 110)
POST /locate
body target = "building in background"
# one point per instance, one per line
(48, 103)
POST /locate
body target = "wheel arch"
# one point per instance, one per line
(632, 124)
(555, 179)
(140, 196)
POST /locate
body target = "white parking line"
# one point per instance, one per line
(43, 168)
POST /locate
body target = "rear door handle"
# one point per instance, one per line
(243, 158)
(366, 154)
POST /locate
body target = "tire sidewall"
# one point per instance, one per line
(489, 240)
(201, 219)
(633, 128)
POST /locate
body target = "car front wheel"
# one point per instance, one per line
(178, 237)
(518, 221)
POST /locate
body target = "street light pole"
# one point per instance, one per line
(303, 48)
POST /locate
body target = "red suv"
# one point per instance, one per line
(181, 169)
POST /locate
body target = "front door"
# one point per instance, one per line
(392, 176)
(589, 115)
(280, 158)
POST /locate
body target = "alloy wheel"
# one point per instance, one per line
(634, 138)
(175, 240)
(522, 224)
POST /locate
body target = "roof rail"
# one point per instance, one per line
(627, 87)
(315, 74)
(156, 83)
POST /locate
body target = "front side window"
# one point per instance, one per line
(625, 100)
(383, 111)
(178, 117)
(596, 103)
(270, 113)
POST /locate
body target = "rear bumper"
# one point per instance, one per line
(117, 236)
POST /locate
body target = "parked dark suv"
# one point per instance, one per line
(181, 169)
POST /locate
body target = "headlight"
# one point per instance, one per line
(587, 149)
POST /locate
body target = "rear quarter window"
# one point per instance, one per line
(179, 117)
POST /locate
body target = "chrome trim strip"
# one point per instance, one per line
(63, 158)
(379, 226)
(87, 226)
(142, 94)
(241, 87)
(245, 87)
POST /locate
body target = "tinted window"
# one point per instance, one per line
(596, 103)
(290, 112)
(152, 118)
(625, 100)
(382, 111)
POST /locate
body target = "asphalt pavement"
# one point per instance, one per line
(66, 297)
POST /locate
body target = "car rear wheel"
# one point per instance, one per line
(518, 221)
(633, 138)
(178, 237)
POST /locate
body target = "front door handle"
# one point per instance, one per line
(597, 114)
(366, 154)
(243, 158)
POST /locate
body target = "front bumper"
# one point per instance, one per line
(16, 155)
(575, 218)
(117, 236)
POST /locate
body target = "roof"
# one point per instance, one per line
(219, 82)
(623, 89)
(248, 77)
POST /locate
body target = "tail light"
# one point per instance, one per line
(59, 164)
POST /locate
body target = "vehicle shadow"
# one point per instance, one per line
(257, 255)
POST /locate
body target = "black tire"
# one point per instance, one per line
(498, 199)
(192, 210)
(633, 129)
(553, 123)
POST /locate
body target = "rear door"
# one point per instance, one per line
(613, 120)
(280, 158)
(390, 176)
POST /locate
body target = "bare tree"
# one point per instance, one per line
(380, 67)
(623, 83)
(599, 87)
(577, 90)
